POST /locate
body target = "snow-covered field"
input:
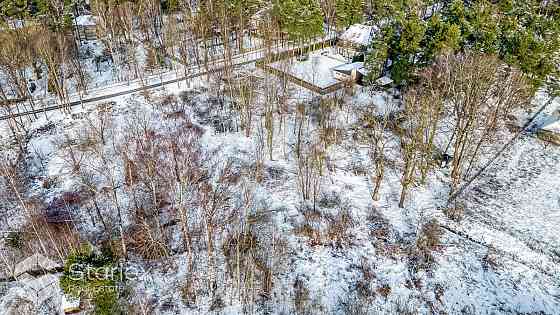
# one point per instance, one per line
(344, 254)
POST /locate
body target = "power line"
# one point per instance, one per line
(502, 150)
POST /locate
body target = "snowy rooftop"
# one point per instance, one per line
(349, 66)
(552, 123)
(85, 20)
(385, 80)
(315, 70)
(35, 263)
(262, 13)
(359, 34)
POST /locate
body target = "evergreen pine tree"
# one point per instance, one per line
(349, 12)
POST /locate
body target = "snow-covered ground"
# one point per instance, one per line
(502, 258)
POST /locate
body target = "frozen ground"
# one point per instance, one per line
(512, 219)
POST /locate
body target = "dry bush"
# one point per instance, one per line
(273, 174)
(439, 292)
(363, 285)
(140, 307)
(20, 306)
(302, 300)
(311, 227)
(217, 304)
(329, 200)
(313, 234)
(358, 305)
(363, 289)
(396, 306)
(147, 242)
(131, 176)
(188, 293)
(86, 144)
(312, 215)
(311, 161)
(358, 167)
(338, 229)
(322, 229)
(379, 225)
(168, 101)
(53, 240)
(254, 253)
(429, 238)
(246, 259)
(384, 290)
(188, 97)
(490, 261)
(404, 306)
(383, 237)
(455, 212)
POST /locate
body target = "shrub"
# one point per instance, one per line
(105, 302)
(56, 239)
(188, 294)
(490, 260)
(148, 242)
(15, 240)
(428, 240)
(455, 212)
(90, 274)
(217, 303)
(384, 290)
(430, 236)
(338, 228)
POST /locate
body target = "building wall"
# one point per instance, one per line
(348, 49)
(87, 32)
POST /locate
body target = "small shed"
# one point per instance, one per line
(355, 40)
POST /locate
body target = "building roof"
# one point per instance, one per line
(261, 15)
(383, 81)
(347, 67)
(33, 264)
(551, 122)
(359, 34)
(85, 20)
(552, 126)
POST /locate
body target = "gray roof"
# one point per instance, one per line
(35, 263)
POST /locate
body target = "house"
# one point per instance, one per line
(355, 40)
(550, 128)
(260, 18)
(261, 22)
(86, 27)
(353, 72)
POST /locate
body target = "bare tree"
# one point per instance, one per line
(481, 91)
